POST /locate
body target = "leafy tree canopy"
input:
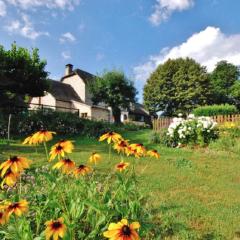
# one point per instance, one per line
(222, 79)
(22, 74)
(115, 90)
(178, 85)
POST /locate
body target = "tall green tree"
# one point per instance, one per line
(177, 86)
(114, 89)
(22, 75)
(222, 79)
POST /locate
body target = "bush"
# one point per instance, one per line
(64, 123)
(193, 130)
(214, 110)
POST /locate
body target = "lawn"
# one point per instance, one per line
(194, 192)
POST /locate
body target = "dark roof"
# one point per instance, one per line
(62, 91)
(139, 109)
(85, 76)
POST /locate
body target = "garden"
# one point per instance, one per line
(181, 183)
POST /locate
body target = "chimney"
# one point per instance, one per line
(68, 69)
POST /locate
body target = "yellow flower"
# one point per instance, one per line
(122, 231)
(111, 137)
(121, 146)
(42, 136)
(82, 170)
(153, 153)
(122, 166)
(66, 165)
(138, 149)
(17, 208)
(16, 164)
(55, 229)
(60, 148)
(2, 218)
(29, 140)
(10, 178)
(95, 158)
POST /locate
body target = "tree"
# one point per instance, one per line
(115, 90)
(222, 79)
(177, 86)
(235, 93)
(22, 74)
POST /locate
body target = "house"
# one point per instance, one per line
(72, 94)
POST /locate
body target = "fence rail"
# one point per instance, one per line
(162, 123)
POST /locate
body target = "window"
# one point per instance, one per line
(84, 115)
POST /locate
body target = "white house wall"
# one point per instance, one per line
(48, 99)
(83, 108)
(78, 85)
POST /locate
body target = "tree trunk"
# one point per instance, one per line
(117, 115)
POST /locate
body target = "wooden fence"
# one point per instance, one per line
(161, 123)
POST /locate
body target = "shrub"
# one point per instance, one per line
(64, 123)
(214, 110)
(193, 130)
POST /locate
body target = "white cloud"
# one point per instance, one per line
(67, 37)
(61, 4)
(164, 8)
(24, 28)
(206, 47)
(66, 55)
(3, 9)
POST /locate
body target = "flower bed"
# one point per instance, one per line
(192, 130)
(65, 200)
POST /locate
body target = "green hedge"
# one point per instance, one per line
(28, 122)
(214, 110)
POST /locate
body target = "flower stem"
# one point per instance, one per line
(46, 150)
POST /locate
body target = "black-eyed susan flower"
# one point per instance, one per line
(42, 136)
(153, 153)
(2, 217)
(121, 146)
(55, 229)
(138, 149)
(110, 137)
(122, 231)
(29, 140)
(82, 170)
(66, 165)
(17, 208)
(122, 166)
(60, 148)
(10, 178)
(95, 158)
(15, 164)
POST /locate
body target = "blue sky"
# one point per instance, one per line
(132, 35)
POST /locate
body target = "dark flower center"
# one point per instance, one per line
(14, 159)
(1, 215)
(14, 206)
(121, 165)
(67, 161)
(56, 225)
(126, 230)
(59, 148)
(81, 166)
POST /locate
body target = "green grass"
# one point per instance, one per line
(194, 192)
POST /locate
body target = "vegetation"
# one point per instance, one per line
(223, 78)
(214, 110)
(26, 122)
(22, 74)
(193, 130)
(115, 90)
(192, 193)
(177, 86)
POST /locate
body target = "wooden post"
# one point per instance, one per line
(9, 127)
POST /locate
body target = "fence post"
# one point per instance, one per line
(9, 127)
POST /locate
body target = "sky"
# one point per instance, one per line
(134, 36)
